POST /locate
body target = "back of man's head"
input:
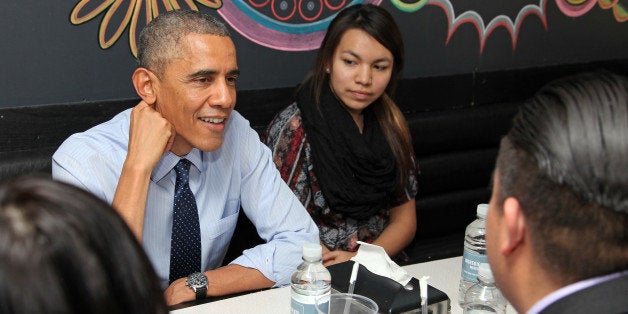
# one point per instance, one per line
(566, 161)
(160, 39)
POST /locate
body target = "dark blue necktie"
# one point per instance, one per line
(185, 244)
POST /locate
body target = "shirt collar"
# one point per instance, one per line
(169, 160)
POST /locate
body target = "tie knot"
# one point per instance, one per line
(182, 168)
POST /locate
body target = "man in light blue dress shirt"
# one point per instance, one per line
(186, 80)
(557, 225)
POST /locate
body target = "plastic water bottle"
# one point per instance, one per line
(474, 251)
(310, 281)
(484, 297)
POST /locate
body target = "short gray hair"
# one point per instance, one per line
(159, 40)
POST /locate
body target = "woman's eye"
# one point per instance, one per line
(349, 62)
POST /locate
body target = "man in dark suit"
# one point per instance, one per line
(557, 227)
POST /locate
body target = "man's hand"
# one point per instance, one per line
(150, 136)
(335, 257)
(221, 281)
(178, 292)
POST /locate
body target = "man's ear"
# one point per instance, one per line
(144, 82)
(515, 226)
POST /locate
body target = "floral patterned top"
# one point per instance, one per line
(291, 150)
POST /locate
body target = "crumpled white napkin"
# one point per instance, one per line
(375, 259)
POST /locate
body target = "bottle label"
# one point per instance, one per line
(306, 304)
(470, 262)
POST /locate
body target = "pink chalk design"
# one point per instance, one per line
(300, 25)
(572, 8)
(472, 17)
(277, 31)
(576, 8)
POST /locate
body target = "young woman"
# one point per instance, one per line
(343, 146)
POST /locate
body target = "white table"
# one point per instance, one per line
(444, 275)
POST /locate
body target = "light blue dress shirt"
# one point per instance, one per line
(240, 174)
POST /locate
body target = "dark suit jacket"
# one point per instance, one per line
(609, 297)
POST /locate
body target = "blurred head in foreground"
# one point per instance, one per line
(64, 251)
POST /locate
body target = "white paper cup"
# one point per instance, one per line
(345, 303)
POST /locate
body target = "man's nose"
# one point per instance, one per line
(223, 95)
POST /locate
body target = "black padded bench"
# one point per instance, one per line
(456, 124)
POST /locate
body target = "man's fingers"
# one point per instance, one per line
(173, 133)
(144, 105)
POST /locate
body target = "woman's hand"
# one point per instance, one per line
(335, 257)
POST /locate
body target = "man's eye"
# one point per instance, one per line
(381, 67)
(202, 80)
(232, 79)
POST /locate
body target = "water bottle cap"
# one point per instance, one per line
(485, 273)
(312, 252)
(482, 209)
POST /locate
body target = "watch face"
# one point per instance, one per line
(196, 280)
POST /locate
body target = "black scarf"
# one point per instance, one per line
(357, 172)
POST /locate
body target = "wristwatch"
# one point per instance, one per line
(198, 283)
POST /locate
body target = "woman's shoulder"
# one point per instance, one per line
(287, 121)
(288, 115)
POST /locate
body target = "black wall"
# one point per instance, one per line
(45, 59)
(458, 96)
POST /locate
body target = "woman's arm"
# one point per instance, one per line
(395, 237)
(401, 229)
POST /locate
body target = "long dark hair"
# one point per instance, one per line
(378, 23)
(62, 250)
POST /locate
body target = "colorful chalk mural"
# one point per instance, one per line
(299, 25)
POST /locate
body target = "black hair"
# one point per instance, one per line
(159, 41)
(379, 24)
(566, 161)
(62, 250)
